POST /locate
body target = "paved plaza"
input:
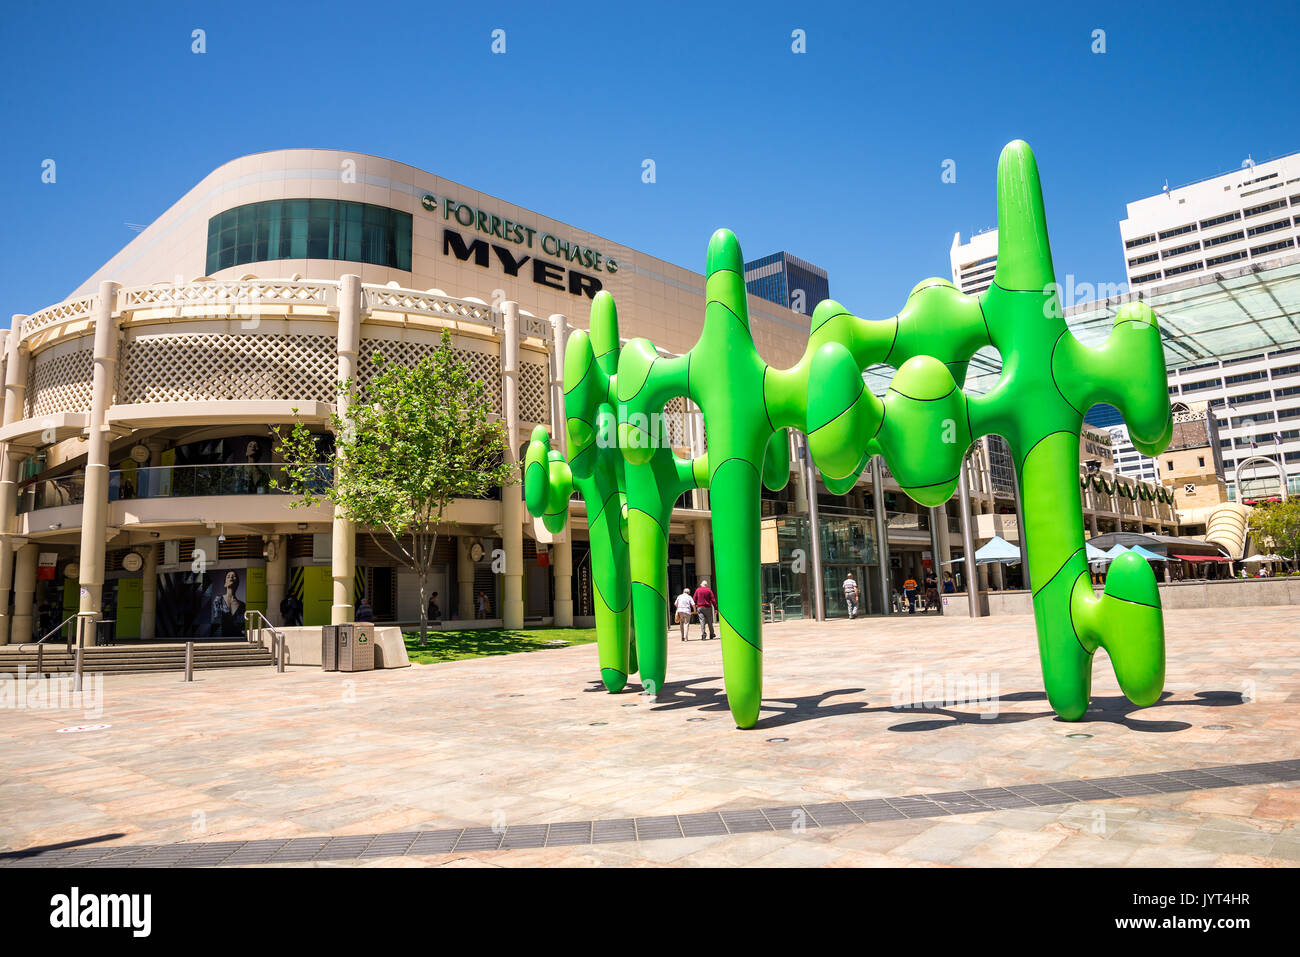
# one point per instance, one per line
(860, 758)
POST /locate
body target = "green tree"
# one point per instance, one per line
(1276, 527)
(419, 438)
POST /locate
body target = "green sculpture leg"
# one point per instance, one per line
(649, 562)
(612, 595)
(734, 496)
(1071, 622)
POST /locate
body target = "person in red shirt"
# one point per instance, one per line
(707, 606)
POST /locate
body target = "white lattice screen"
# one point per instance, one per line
(180, 368)
(59, 383)
(533, 404)
(482, 366)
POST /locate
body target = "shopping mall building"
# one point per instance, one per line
(139, 413)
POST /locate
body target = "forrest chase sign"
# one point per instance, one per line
(509, 252)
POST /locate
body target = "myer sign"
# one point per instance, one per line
(515, 238)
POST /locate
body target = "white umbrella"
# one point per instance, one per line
(997, 549)
(1264, 558)
(1095, 554)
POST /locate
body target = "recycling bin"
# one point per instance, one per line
(349, 647)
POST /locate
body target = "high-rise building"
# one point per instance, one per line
(974, 261)
(1233, 343)
(787, 281)
(1246, 217)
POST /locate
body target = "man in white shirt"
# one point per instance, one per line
(685, 605)
(850, 588)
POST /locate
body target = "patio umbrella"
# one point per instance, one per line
(1095, 554)
(1147, 554)
(1115, 551)
(1255, 559)
(998, 549)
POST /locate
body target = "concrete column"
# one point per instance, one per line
(1020, 532)
(8, 516)
(94, 508)
(343, 559)
(464, 578)
(1092, 524)
(15, 391)
(562, 573)
(24, 592)
(703, 549)
(806, 470)
(882, 535)
(277, 574)
(937, 515)
(562, 547)
(512, 506)
(149, 593)
(971, 574)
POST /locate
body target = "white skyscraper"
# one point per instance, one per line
(1248, 216)
(974, 262)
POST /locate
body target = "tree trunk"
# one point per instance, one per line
(422, 571)
(424, 607)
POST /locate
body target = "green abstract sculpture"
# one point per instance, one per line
(922, 427)
(625, 503)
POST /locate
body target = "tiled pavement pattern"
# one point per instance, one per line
(530, 742)
(795, 819)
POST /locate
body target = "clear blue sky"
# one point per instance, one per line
(834, 155)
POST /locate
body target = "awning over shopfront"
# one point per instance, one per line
(1202, 558)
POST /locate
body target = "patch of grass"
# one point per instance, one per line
(485, 642)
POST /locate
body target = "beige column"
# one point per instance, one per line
(945, 543)
(512, 505)
(703, 548)
(562, 548)
(343, 557)
(14, 399)
(24, 592)
(277, 574)
(149, 593)
(464, 578)
(94, 508)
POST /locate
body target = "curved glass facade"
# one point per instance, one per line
(309, 229)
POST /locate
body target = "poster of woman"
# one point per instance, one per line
(223, 606)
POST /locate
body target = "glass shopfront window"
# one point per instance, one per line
(848, 544)
(309, 229)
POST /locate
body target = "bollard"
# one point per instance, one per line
(40, 660)
(189, 661)
(279, 657)
(76, 678)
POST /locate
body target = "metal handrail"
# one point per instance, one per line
(40, 645)
(252, 615)
(57, 629)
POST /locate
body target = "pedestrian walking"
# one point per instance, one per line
(706, 605)
(483, 606)
(910, 595)
(850, 588)
(685, 608)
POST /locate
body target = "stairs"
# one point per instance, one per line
(136, 658)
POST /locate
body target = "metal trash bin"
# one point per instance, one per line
(349, 647)
(106, 631)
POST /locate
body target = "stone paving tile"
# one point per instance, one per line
(520, 736)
